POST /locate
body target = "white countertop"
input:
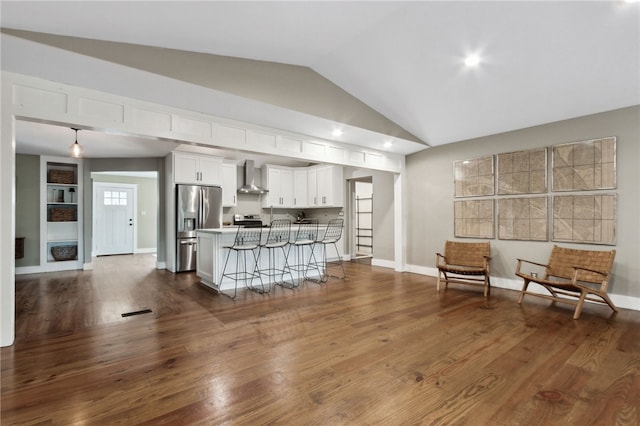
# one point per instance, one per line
(233, 229)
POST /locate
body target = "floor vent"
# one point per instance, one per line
(143, 311)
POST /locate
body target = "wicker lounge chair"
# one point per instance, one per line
(464, 263)
(571, 276)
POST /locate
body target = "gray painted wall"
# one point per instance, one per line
(28, 207)
(430, 193)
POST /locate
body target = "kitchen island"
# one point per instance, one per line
(211, 256)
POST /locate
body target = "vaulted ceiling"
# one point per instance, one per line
(380, 70)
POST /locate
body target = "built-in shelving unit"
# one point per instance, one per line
(60, 213)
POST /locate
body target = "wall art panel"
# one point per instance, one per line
(589, 219)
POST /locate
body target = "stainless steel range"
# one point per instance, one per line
(247, 220)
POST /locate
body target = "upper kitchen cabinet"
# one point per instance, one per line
(325, 186)
(197, 169)
(229, 184)
(312, 187)
(330, 186)
(60, 213)
(279, 181)
(300, 197)
(303, 187)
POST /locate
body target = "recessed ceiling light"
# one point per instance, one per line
(336, 133)
(472, 60)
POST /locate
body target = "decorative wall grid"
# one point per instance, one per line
(473, 177)
(523, 218)
(522, 172)
(577, 218)
(474, 218)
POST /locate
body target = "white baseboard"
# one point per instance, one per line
(161, 265)
(384, 263)
(145, 250)
(23, 270)
(87, 266)
(620, 300)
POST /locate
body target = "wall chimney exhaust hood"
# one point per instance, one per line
(249, 186)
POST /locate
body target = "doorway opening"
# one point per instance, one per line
(362, 243)
(125, 215)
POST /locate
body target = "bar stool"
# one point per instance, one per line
(332, 235)
(306, 237)
(246, 240)
(278, 238)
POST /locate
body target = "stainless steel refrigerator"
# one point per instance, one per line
(197, 207)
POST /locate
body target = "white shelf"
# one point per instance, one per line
(54, 195)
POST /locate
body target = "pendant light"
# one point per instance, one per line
(76, 148)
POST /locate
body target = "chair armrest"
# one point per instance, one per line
(585, 284)
(440, 257)
(595, 271)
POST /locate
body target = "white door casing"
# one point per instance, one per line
(114, 226)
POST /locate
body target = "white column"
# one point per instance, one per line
(7, 222)
(400, 219)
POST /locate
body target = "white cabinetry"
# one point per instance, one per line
(198, 169)
(60, 213)
(325, 186)
(279, 182)
(300, 189)
(330, 186)
(303, 187)
(229, 184)
(312, 187)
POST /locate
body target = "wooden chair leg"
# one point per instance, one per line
(487, 286)
(605, 297)
(578, 311)
(438, 282)
(523, 291)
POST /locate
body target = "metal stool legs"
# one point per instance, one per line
(272, 272)
(278, 238)
(306, 236)
(331, 236)
(246, 240)
(325, 264)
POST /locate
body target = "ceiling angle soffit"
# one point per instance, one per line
(287, 86)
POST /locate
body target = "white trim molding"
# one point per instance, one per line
(383, 263)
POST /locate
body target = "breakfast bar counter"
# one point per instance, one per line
(211, 256)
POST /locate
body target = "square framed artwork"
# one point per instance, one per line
(474, 218)
(473, 177)
(589, 219)
(584, 166)
(523, 218)
(522, 172)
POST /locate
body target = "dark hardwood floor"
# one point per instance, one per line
(379, 347)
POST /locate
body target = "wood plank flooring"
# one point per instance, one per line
(379, 347)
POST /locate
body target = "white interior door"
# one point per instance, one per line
(114, 220)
